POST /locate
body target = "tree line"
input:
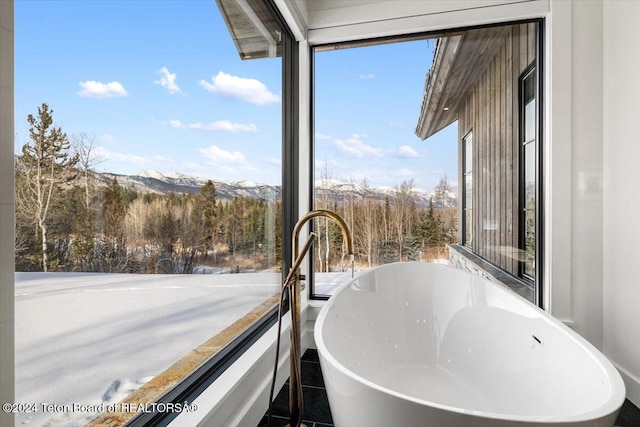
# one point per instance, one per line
(387, 230)
(65, 221)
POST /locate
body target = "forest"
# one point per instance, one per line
(67, 221)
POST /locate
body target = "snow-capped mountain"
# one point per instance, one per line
(335, 190)
(150, 181)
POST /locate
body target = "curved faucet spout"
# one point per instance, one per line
(346, 233)
(293, 281)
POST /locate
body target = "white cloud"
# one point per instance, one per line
(322, 137)
(355, 147)
(168, 81)
(132, 159)
(93, 89)
(218, 155)
(249, 90)
(367, 76)
(220, 125)
(407, 151)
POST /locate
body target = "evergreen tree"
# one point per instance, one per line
(114, 209)
(206, 211)
(430, 227)
(72, 231)
(111, 252)
(48, 164)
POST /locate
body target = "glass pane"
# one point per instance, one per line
(530, 120)
(468, 186)
(530, 243)
(165, 229)
(468, 227)
(468, 150)
(530, 214)
(370, 167)
(398, 195)
(530, 175)
(529, 87)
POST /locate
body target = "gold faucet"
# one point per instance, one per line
(293, 280)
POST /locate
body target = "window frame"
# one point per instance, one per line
(536, 70)
(523, 144)
(537, 284)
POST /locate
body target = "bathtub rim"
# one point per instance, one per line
(610, 405)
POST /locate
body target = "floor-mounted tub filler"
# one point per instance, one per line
(418, 344)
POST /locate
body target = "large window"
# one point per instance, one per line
(469, 194)
(150, 220)
(397, 193)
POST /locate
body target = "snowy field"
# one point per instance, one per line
(328, 283)
(89, 339)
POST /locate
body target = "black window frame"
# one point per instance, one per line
(537, 68)
(537, 284)
(523, 142)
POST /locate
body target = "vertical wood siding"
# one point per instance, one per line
(491, 112)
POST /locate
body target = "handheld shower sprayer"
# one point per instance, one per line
(292, 286)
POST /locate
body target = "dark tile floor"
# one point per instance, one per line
(316, 405)
(629, 415)
(316, 411)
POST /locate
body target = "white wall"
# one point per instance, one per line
(6, 210)
(574, 174)
(586, 167)
(621, 195)
(593, 109)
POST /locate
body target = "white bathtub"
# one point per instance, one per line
(417, 344)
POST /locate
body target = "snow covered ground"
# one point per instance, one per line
(328, 283)
(88, 339)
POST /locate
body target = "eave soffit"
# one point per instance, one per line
(459, 61)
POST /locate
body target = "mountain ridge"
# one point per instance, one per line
(151, 181)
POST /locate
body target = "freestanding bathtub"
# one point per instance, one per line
(417, 344)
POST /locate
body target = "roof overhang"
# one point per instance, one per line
(253, 29)
(458, 62)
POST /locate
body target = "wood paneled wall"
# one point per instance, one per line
(491, 112)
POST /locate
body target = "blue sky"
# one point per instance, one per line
(160, 85)
(367, 105)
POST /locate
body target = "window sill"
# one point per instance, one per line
(465, 259)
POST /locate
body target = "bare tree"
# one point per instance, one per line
(367, 223)
(402, 214)
(441, 193)
(85, 147)
(321, 225)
